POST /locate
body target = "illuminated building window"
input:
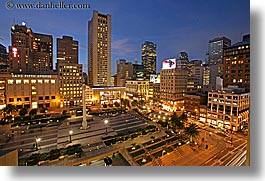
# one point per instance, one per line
(34, 93)
(11, 99)
(33, 81)
(18, 81)
(40, 81)
(26, 81)
(46, 81)
(10, 81)
(53, 81)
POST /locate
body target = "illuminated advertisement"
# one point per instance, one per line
(140, 74)
(154, 79)
(169, 64)
(14, 52)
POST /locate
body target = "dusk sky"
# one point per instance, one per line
(174, 25)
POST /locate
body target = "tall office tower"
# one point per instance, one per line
(21, 50)
(99, 50)
(30, 53)
(43, 47)
(173, 84)
(70, 72)
(215, 49)
(3, 59)
(237, 64)
(149, 58)
(67, 50)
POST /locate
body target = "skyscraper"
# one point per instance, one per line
(70, 72)
(99, 50)
(67, 50)
(42, 45)
(30, 53)
(21, 50)
(215, 49)
(149, 58)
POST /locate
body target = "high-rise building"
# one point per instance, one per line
(215, 49)
(67, 50)
(21, 50)
(43, 44)
(236, 65)
(30, 53)
(149, 58)
(3, 59)
(99, 50)
(70, 72)
(173, 84)
(124, 72)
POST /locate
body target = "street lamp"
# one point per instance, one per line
(106, 123)
(37, 140)
(70, 135)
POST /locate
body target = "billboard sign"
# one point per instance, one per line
(154, 79)
(169, 64)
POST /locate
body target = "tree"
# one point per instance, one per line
(23, 112)
(116, 104)
(10, 108)
(134, 103)
(176, 122)
(33, 112)
(192, 131)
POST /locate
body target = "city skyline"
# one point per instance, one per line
(167, 27)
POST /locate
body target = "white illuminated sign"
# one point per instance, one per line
(14, 52)
(169, 64)
(154, 79)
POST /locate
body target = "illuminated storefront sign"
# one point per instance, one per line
(169, 64)
(31, 76)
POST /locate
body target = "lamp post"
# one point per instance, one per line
(106, 123)
(70, 136)
(37, 140)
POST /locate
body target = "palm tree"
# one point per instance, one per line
(192, 131)
(176, 122)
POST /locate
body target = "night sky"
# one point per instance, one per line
(174, 25)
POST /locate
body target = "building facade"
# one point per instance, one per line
(237, 65)
(215, 49)
(29, 91)
(173, 86)
(43, 47)
(71, 81)
(30, 53)
(100, 95)
(137, 89)
(149, 58)
(67, 50)
(3, 59)
(227, 110)
(99, 50)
